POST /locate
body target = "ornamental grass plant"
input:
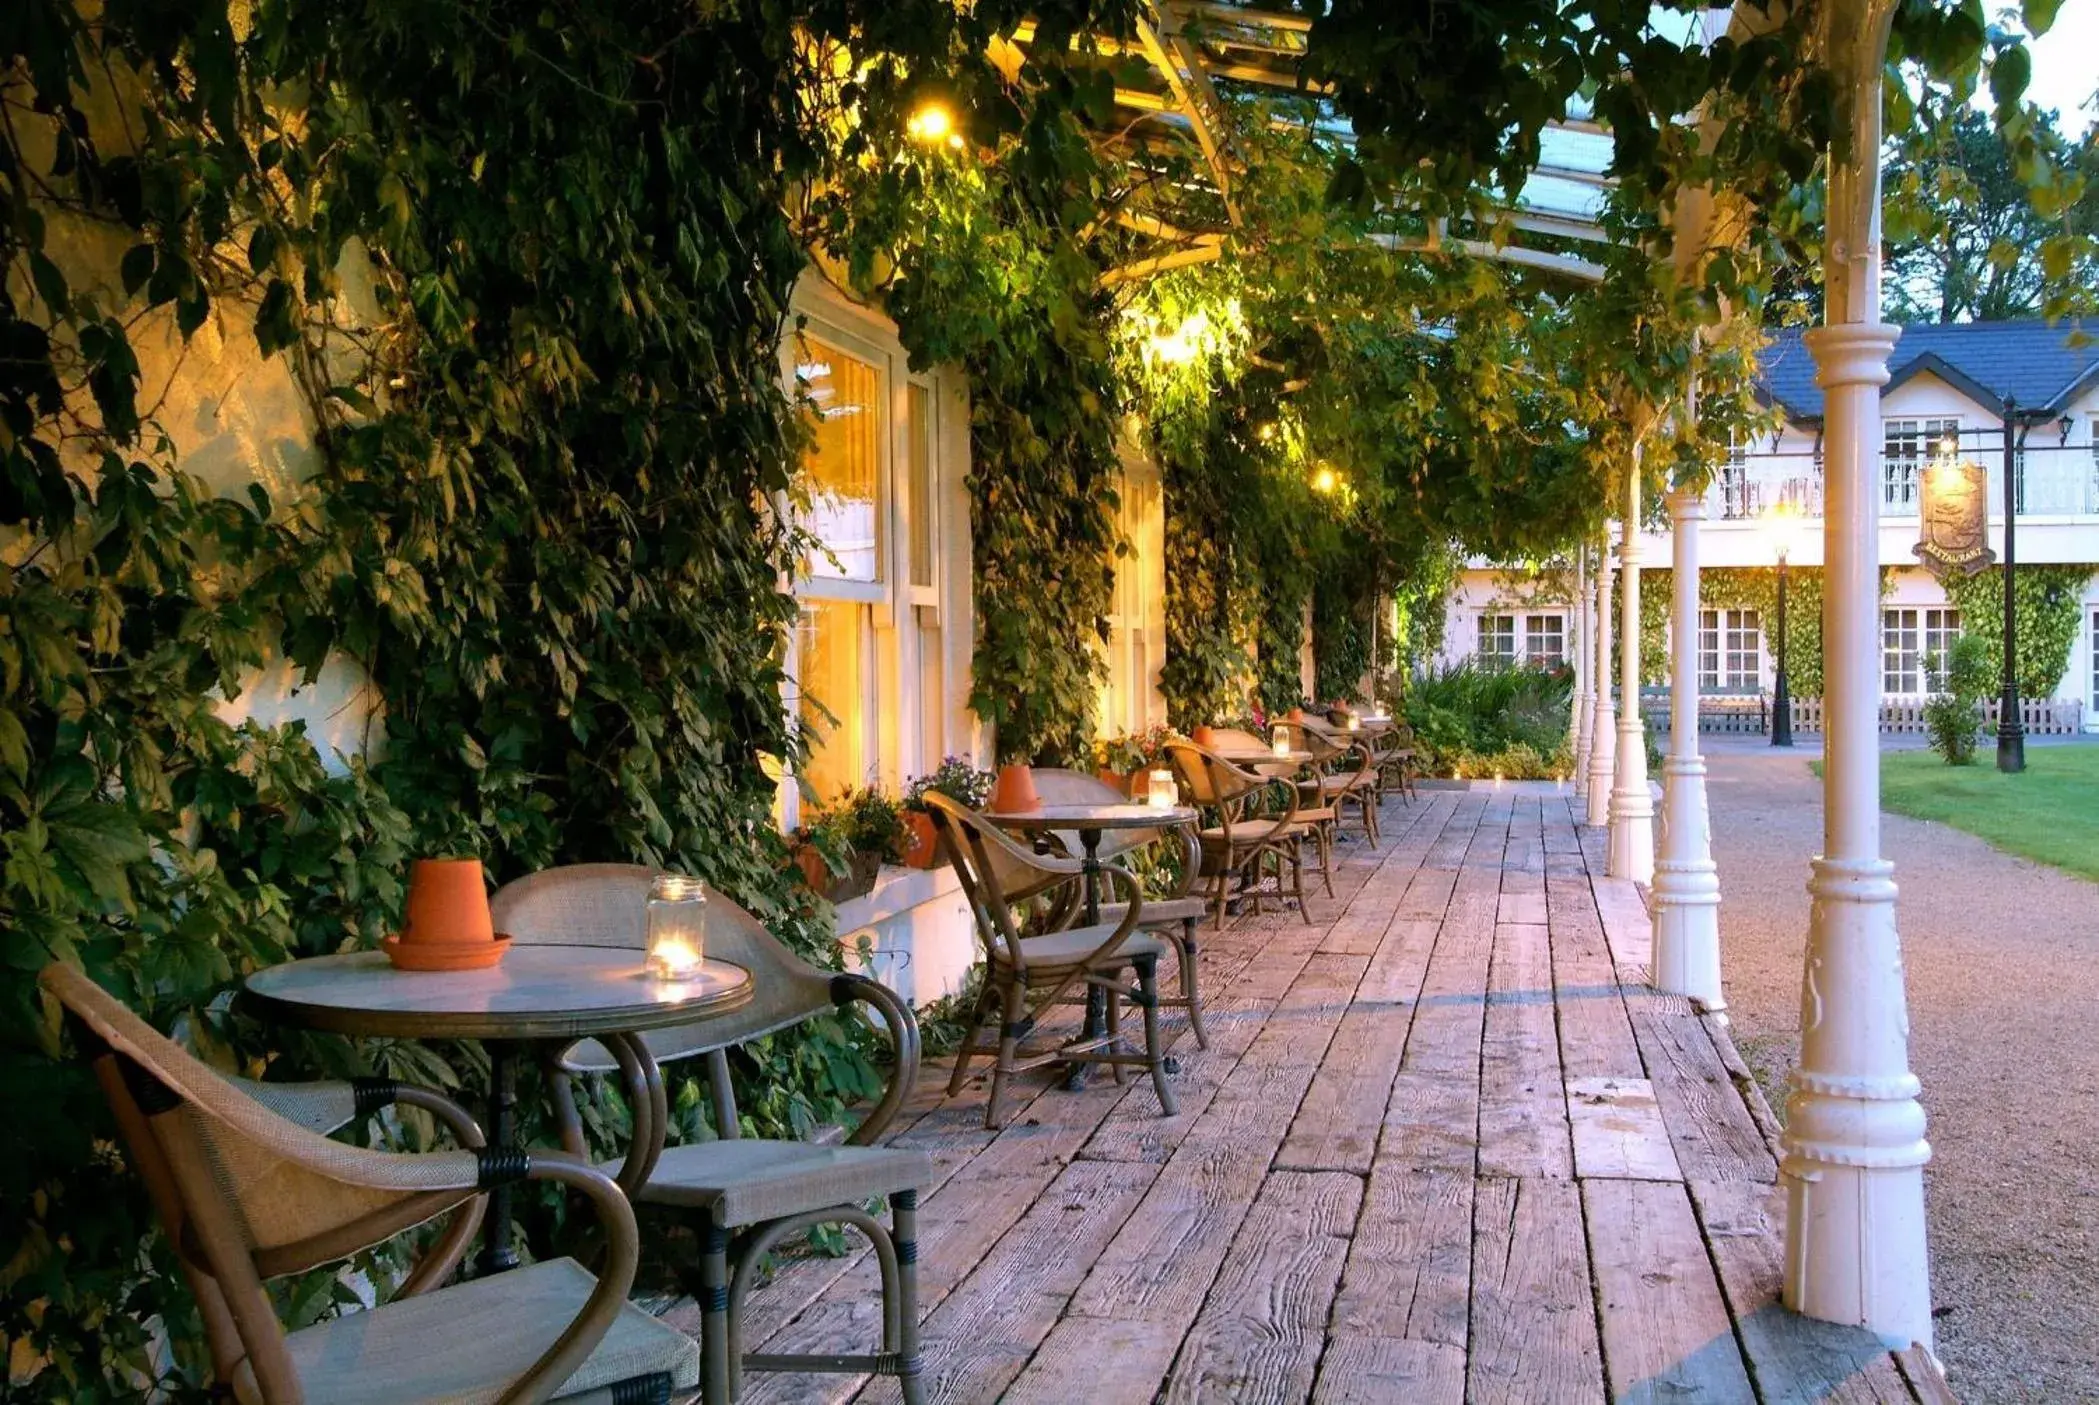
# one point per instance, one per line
(1482, 718)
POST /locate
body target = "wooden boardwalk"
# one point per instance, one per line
(1446, 1145)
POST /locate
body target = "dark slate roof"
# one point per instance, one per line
(2032, 362)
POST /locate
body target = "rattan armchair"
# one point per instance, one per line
(1393, 751)
(246, 1194)
(1343, 772)
(743, 1195)
(1241, 842)
(1177, 916)
(1026, 974)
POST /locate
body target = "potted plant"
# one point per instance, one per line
(844, 846)
(960, 782)
(1116, 759)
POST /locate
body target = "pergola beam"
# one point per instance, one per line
(1566, 265)
(1182, 69)
(1162, 263)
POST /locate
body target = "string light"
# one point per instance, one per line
(1326, 480)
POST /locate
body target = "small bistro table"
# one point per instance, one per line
(1253, 758)
(1091, 822)
(535, 994)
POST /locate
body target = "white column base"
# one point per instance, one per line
(1603, 750)
(1854, 1140)
(1632, 806)
(1685, 902)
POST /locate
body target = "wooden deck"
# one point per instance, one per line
(1446, 1146)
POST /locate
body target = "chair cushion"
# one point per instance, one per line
(466, 1344)
(1060, 951)
(1161, 912)
(1251, 832)
(748, 1181)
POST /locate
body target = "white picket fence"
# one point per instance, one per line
(2044, 717)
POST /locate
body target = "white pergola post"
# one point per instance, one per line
(1632, 804)
(1686, 881)
(1603, 723)
(1854, 1139)
(1584, 671)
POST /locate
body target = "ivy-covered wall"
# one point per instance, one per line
(2048, 602)
(527, 280)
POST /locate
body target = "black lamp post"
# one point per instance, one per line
(2011, 731)
(1781, 517)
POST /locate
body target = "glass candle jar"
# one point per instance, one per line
(677, 932)
(1162, 792)
(1279, 740)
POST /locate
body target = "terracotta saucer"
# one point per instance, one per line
(444, 956)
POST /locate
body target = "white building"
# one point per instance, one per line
(1946, 380)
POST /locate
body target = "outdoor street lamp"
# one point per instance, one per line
(2011, 728)
(1783, 520)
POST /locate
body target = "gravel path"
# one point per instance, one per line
(2003, 959)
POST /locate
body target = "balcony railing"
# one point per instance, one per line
(2052, 482)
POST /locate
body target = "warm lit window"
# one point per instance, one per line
(1545, 640)
(833, 645)
(869, 668)
(1730, 650)
(843, 462)
(1913, 645)
(1497, 641)
(1906, 446)
(843, 592)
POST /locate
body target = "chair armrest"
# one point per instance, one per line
(326, 1105)
(902, 1027)
(615, 1274)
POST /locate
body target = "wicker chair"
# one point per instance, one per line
(1024, 975)
(1240, 842)
(1343, 772)
(1393, 751)
(1176, 916)
(743, 1195)
(247, 1194)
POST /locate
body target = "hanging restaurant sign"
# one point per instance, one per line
(1954, 535)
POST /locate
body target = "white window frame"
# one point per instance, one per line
(907, 717)
(1909, 635)
(1906, 445)
(1498, 619)
(1557, 620)
(1730, 649)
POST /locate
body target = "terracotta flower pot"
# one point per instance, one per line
(1014, 791)
(1296, 714)
(1115, 778)
(923, 848)
(1205, 735)
(447, 925)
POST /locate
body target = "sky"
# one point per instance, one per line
(2065, 70)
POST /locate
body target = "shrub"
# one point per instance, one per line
(1470, 712)
(1953, 715)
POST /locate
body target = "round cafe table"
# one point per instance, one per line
(535, 994)
(1090, 822)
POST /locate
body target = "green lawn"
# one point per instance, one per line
(2049, 814)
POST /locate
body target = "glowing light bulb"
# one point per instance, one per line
(932, 123)
(1325, 480)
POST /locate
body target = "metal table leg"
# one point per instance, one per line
(497, 1255)
(1096, 998)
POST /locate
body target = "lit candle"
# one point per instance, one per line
(677, 918)
(1279, 741)
(1163, 793)
(1355, 723)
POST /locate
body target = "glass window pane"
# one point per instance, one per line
(919, 474)
(833, 689)
(844, 462)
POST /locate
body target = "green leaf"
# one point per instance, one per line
(2038, 15)
(50, 283)
(262, 248)
(137, 267)
(2009, 76)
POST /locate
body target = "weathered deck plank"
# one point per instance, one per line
(1533, 1308)
(1370, 1192)
(1666, 1332)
